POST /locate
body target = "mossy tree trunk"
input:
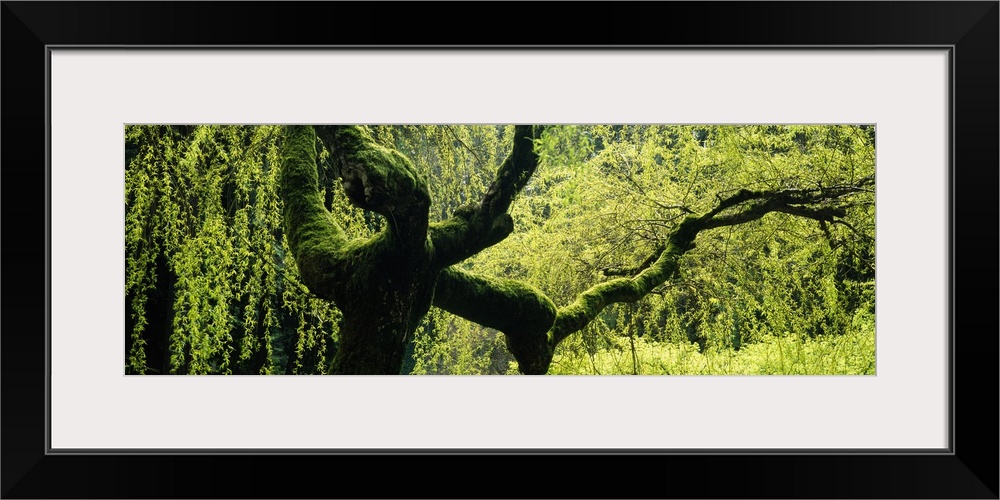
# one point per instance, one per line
(385, 285)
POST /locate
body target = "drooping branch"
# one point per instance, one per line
(742, 207)
(332, 267)
(475, 227)
(853, 229)
(473, 152)
(523, 314)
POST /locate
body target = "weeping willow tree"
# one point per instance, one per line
(499, 249)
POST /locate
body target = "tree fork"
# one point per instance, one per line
(381, 180)
(383, 285)
(475, 227)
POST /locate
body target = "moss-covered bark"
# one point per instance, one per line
(522, 313)
(574, 317)
(475, 227)
(385, 285)
(315, 239)
(381, 180)
(382, 285)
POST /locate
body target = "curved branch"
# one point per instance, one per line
(825, 214)
(589, 304)
(331, 266)
(523, 314)
(854, 230)
(742, 207)
(794, 196)
(381, 180)
(473, 228)
(534, 327)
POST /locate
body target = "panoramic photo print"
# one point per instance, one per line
(500, 249)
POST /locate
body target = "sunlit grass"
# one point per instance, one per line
(851, 353)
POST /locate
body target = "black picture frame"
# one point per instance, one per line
(970, 29)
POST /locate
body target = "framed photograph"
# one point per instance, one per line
(914, 85)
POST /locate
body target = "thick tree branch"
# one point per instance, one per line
(522, 313)
(514, 173)
(475, 227)
(315, 239)
(381, 180)
(534, 327)
(589, 304)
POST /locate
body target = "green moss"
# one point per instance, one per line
(376, 178)
(467, 233)
(383, 285)
(522, 313)
(480, 226)
(313, 236)
(661, 270)
(494, 302)
(589, 304)
(449, 239)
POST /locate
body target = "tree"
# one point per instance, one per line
(417, 256)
